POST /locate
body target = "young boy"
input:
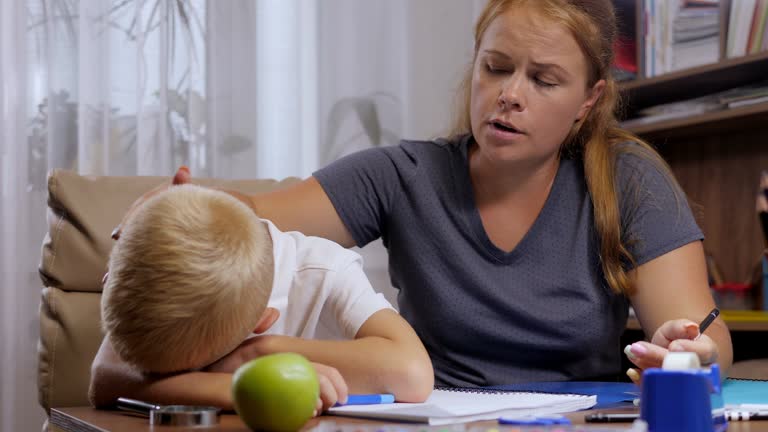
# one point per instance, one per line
(195, 272)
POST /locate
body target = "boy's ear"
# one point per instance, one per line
(268, 318)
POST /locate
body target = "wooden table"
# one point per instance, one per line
(88, 419)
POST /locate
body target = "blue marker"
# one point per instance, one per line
(368, 399)
(535, 421)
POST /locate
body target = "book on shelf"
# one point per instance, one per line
(757, 29)
(745, 102)
(747, 28)
(680, 109)
(744, 95)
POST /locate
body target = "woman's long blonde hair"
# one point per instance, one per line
(595, 138)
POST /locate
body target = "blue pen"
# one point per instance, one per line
(535, 421)
(368, 399)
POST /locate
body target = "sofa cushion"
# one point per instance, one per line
(82, 211)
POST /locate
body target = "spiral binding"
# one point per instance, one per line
(481, 390)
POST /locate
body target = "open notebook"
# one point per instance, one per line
(447, 406)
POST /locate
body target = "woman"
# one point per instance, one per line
(519, 243)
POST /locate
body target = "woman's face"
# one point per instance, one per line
(529, 86)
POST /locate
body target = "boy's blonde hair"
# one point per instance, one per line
(188, 280)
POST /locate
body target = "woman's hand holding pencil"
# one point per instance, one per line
(676, 335)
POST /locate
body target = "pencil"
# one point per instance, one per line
(707, 321)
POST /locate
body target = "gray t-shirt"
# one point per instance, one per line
(542, 312)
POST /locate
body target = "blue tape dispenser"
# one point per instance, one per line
(682, 396)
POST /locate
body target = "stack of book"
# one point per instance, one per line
(680, 34)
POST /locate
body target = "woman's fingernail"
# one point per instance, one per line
(115, 233)
(639, 349)
(676, 347)
(633, 374)
(692, 330)
(628, 352)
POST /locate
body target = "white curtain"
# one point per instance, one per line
(231, 88)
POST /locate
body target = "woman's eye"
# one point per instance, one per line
(493, 69)
(543, 83)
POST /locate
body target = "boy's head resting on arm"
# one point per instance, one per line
(188, 281)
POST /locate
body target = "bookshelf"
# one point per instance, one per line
(688, 83)
(711, 122)
(717, 156)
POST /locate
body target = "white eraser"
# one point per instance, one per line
(681, 361)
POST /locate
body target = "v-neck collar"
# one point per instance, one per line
(474, 222)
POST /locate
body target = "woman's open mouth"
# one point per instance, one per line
(505, 127)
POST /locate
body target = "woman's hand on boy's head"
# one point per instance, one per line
(182, 176)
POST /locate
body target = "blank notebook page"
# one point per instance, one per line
(466, 405)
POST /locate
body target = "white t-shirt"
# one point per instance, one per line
(319, 288)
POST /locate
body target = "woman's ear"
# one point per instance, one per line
(268, 318)
(593, 96)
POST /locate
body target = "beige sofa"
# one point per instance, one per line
(82, 211)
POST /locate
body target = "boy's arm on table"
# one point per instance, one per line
(386, 356)
(672, 296)
(112, 378)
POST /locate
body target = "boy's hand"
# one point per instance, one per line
(333, 388)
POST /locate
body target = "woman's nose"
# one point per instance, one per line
(511, 95)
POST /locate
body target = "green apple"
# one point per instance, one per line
(276, 392)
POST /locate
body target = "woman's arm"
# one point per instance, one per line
(672, 296)
(303, 207)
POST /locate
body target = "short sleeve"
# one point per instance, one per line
(364, 187)
(351, 300)
(655, 214)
